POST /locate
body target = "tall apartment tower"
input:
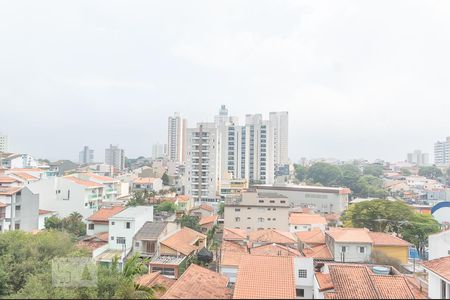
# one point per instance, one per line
(176, 139)
(418, 158)
(203, 165)
(442, 152)
(259, 159)
(4, 147)
(279, 124)
(159, 151)
(115, 157)
(86, 156)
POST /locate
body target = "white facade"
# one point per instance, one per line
(306, 227)
(159, 151)
(279, 126)
(86, 156)
(439, 245)
(349, 252)
(438, 287)
(4, 145)
(418, 158)
(124, 225)
(442, 152)
(19, 161)
(21, 211)
(115, 156)
(176, 138)
(203, 162)
(304, 277)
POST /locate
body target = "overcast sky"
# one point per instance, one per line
(360, 79)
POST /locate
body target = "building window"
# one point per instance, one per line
(112, 238)
(91, 226)
(128, 225)
(18, 208)
(261, 201)
(343, 249)
(237, 219)
(302, 273)
(260, 219)
(362, 249)
(300, 293)
(283, 201)
(237, 209)
(17, 226)
(272, 201)
(113, 223)
(120, 240)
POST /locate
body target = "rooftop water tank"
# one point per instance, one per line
(381, 270)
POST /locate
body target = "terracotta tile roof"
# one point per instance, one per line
(384, 239)
(318, 252)
(324, 281)
(183, 240)
(45, 212)
(204, 206)
(272, 236)
(7, 179)
(313, 237)
(9, 191)
(265, 277)
(183, 198)
(231, 253)
(151, 280)
(359, 282)
(103, 214)
(144, 180)
(303, 219)
(199, 283)
(208, 219)
(233, 234)
(331, 217)
(26, 170)
(94, 242)
(105, 179)
(439, 266)
(350, 235)
(82, 182)
(275, 250)
(25, 176)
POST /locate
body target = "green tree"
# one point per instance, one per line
(53, 222)
(430, 172)
(417, 230)
(405, 172)
(325, 174)
(139, 198)
(350, 176)
(370, 186)
(374, 170)
(191, 222)
(72, 224)
(165, 179)
(221, 209)
(166, 206)
(301, 172)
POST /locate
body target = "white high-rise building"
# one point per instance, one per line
(159, 151)
(176, 140)
(86, 156)
(115, 157)
(203, 162)
(4, 147)
(442, 152)
(418, 158)
(279, 124)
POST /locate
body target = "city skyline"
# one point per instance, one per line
(116, 74)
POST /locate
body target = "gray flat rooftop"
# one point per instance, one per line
(150, 231)
(167, 260)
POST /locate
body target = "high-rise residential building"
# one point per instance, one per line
(115, 157)
(176, 140)
(418, 158)
(159, 151)
(279, 124)
(4, 146)
(86, 156)
(203, 162)
(442, 152)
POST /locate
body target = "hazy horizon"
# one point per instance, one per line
(360, 79)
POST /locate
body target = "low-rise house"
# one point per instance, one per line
(111, 186)
(256, 211)
(184, 203)
(439, 245)
(310, 238)
(233, 234)
(99, 221)
(175, 251)
(352, 281)
(19, 209)
(438, 271)
(230, 257)
(274, 277)
(94, 242)
(207, 223)
(43, 216)
(390, 245)
(203, 210)
(318, 253)
(23, 177)
(147, 239)
(270, 236)
(8, 181)
(15, 160)
(199, 283)
(61, 167)
(306, 222)
(155, 280)
(149, 184)
(349, 244)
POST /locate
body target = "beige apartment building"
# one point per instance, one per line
(257, 211)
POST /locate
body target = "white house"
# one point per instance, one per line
(438, 277)
(349, 244)
(99, 221)
(304, 277)
(43, 216)
(306, 222)
(439, 244)
(111, 186)
(14, 160)
(19, 209)
(147, 183)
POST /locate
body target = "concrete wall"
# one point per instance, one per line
(307, 284)
(439, 245)
(398, 252)
(249, 217)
